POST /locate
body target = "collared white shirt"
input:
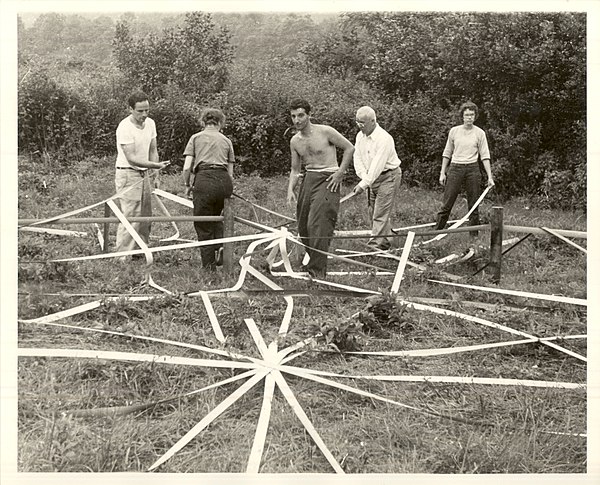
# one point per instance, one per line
(374, 154)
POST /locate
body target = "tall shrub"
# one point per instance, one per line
(194, 56)
(526, 71)
(258, 116)
(47, 116)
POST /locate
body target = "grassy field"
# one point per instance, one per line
(455, 428)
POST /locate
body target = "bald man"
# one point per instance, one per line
(377, 165)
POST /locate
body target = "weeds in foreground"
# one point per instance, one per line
(364, 435)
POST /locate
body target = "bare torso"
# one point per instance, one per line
(315, 149)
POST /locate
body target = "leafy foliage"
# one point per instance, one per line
(259, 36)
(47, 112)
(194, 57)
(178, 119)
(73, 39)
(68, 120)
(526, 72)
(384, 316)
(344, 337)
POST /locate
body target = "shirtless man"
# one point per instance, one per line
(318, 202)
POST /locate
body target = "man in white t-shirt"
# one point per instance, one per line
(136, 153)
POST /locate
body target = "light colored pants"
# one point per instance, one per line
(381, 197)
(136, 202)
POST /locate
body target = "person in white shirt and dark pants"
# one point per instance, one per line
(377, 165)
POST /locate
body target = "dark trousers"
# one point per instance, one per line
(211, 188)
(317, 214)
(469, 176)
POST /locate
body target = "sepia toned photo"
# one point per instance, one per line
(346, 244)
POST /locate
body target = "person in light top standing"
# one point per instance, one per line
(136, 153)
(318, 201)
(466, 145)
(377, 165)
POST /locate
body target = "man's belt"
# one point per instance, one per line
(389, 170)
(141, 172)
(210, 166)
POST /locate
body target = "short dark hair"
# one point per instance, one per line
(297, 103)
(468, 105)
(137, 97)
(212, 116)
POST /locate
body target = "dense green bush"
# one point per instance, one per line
(50, 116)
(420, 128)
(177, 118)
(258, 114)
(525, 71)
(194, 56)
(69, 117)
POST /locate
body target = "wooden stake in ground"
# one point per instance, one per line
(497, 224)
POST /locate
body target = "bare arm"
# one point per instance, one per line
(187, 171)
(153, 155)
(230, 159)
(484, 153)
(446, 154)
(445, 161)
(152, 162)
(488, 170)
(337, 139)
(294, 176)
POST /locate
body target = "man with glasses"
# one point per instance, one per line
(466, 144)
(318, 202)
(377, 165)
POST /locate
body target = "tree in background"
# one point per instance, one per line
(258, 37)
(73, 40)
(526, 72)
(195, 57)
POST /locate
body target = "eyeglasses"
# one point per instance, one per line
(360, 123)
